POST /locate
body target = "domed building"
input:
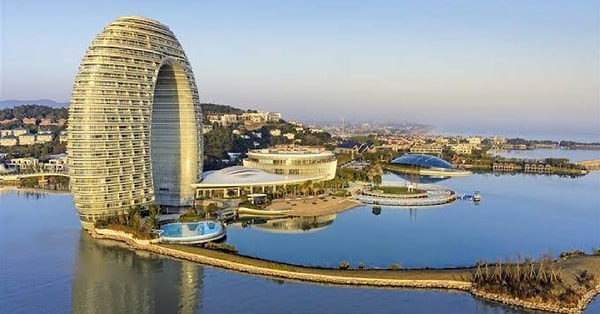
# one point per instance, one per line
(427, 165)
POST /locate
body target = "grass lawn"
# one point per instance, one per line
(399, 190)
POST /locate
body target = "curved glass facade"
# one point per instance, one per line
(135, 134)
(423, 161)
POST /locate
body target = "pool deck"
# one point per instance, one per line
(314, 206)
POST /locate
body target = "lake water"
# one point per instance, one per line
(573, 155)
(49, 265)
(524, 215)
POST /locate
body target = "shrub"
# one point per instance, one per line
(573, 253)
(395, 266)
(344, 265)
(361, 265)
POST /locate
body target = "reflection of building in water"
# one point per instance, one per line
(297, 224)
(111, 278)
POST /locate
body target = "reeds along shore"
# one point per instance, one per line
(491, 284)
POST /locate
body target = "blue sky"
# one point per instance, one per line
(505, 64)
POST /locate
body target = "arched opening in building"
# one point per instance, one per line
(173, 140)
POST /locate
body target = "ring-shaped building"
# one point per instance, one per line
(135, 132)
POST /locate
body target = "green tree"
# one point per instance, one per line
(154, 211)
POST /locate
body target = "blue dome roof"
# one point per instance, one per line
(424, 161)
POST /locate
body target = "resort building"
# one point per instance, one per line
(428, 165)
(62, 138)
(46, 122)
(27, 139)
(289, 136)
(305, 161)
(8, 141)
(273, 116)
(430, 150)
(135, 128)
(29, 121)
(56, 163)
(25, 163)
(462, 149)
(233, 182)
(44, 137)
(504, 166)
(18, 132)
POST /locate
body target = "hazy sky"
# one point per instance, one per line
(512, 64)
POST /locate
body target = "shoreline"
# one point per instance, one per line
(419, 279)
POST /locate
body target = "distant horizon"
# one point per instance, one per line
(551, 132)
(511, 64)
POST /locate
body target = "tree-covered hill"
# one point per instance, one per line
(208, 108)
(33, 111)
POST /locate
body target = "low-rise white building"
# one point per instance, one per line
(56, 163)
(62, 138)
(25, 163)
(27, 139)
(44, 137)
(290, 136)
(429, 150)
(19, 132)
(273, 116)
(462, 149)
(475, 140)
(9, 141)
(6, 133)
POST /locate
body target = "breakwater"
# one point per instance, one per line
(338, 277)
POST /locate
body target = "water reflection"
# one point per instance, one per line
(296, 224)
(110, 278)
(419, 179)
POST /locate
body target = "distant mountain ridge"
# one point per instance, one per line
(9, 103)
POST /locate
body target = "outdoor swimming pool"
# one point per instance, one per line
(192, 232)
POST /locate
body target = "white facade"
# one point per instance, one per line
(9, 141)
(25, 163)
(430, 150)
(6, 133)
(44, 137)
(462, 149)
(27, 139)
(18, 132)
(304, 161)
(135, 133)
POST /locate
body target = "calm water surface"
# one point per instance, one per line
(525, 215)
(49, 265)
(573, 155)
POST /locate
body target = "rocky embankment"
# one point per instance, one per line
(318, 277)
(541, 306)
